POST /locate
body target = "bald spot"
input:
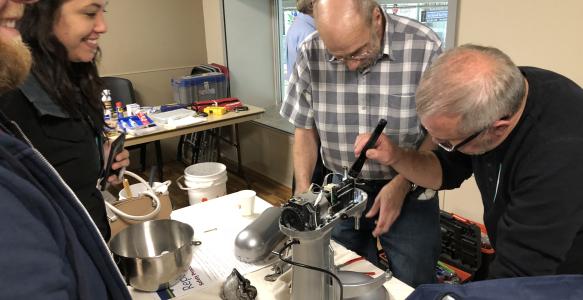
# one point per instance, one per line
(341, 27)
(469, 65)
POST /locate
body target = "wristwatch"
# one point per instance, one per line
(413, 187)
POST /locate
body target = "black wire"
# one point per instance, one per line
(291, 262)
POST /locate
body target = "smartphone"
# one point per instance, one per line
(116, 148)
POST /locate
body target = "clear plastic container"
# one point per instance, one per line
(209, 86)
(194, 88)
(176, 89)
(184, 92)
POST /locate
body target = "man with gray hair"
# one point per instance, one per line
(518, 131)
(361, 66)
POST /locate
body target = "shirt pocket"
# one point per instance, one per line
(406, 129)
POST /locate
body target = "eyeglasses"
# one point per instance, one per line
(364, 55)
(447, 146)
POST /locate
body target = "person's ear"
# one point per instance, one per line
(377, 16)
(500, 127)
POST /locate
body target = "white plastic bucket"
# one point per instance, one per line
(204, 181)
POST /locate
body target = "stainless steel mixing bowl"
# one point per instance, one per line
(153, 255)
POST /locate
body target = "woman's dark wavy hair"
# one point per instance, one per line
(61, 78)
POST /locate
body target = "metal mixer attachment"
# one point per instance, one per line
(237, 287)
(307, 219)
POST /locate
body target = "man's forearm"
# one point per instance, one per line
(304, 155)
(420, 167)
(426, 145)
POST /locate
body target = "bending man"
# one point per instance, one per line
(518, 131)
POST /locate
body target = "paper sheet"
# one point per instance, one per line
(213, 260)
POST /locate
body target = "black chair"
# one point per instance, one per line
(123, 90)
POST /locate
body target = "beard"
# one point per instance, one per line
(365, 64)
(15, 62)
(376, 49)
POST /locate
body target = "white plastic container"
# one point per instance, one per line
(204, 181)
(138, 188)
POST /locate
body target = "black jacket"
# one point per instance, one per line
(530, 184)
(70, 144)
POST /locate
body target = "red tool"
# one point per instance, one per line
(351, 261)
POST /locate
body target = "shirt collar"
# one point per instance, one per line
(307, 19)
(388, 32)
(40, 99)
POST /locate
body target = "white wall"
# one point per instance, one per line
(264, 150)
(536, 33)
(214, 31)
(149, 42)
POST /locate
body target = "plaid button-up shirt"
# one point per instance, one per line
(342, 104)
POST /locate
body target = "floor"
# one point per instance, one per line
(272, 192)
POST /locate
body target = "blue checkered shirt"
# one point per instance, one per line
(342, 104)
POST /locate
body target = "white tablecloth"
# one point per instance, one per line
(222, 215)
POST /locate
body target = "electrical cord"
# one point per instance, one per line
(291, 262)
(149, 192)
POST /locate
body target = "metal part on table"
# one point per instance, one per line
(308, 219)
(360, 286)
(255, 243)
(278, 269)
(237, 287)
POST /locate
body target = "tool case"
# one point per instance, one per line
(464, 246)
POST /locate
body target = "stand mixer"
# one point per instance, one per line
(308, 219)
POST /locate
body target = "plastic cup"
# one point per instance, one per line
(247, 202)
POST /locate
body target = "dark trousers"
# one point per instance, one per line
(412, 244)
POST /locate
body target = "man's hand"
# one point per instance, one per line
(388, 204)
(384, 151)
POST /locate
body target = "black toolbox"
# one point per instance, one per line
(464, 246)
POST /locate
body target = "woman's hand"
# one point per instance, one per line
(122, 160)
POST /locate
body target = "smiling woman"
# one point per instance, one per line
(79, 26)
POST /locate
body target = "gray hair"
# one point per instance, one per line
(364, 8)
(305, 6)
(480, 84)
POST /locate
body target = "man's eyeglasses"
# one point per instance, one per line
(447, 146)
(364, 55)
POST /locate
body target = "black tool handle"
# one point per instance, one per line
(357, 165)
